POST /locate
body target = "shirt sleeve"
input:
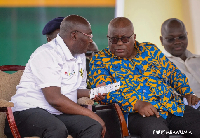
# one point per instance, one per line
(45, 68)
(175, 77)
(99, 73)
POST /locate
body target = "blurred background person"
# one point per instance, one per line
(175, 41)
(52, 28)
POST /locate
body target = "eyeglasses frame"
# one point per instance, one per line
(120, 38)
(178, 37)
(89, 36)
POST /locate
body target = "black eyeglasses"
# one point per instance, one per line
(172, 40)
(91, 53)
(114, 40)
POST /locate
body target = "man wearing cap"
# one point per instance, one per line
(52, 28)
(45, 104)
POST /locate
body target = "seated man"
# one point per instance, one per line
(148, 80)
(52, 28)
(55, 76)
(175, 41)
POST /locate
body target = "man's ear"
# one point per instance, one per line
(73, 35)
(48, 39)
(134, 36)
(161, 40)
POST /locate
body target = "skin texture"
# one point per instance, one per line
(170, 29)
(52, 35)
(122, 27)
(77, 43)
(175, 28)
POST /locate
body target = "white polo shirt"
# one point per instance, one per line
(190, 67)
(51, 64)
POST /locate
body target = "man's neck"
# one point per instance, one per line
(183, 57)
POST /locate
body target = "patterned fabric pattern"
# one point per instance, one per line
(149, 77)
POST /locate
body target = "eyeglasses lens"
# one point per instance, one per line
(171, 40)
(114, 40)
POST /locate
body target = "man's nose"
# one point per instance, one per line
(91, 40)
(177, 40)
(119, 42)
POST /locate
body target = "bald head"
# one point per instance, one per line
(171, 23)
(174, 37)
(120, 22)
(72, 23)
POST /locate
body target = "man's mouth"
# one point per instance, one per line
(178, 48)
(119, 50)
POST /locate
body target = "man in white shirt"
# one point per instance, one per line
(175, 41)
(55, 76)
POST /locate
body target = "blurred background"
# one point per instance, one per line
(22, 21)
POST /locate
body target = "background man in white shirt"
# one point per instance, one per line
(175, 41)
(55, 76)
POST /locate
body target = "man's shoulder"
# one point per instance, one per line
(44, 49)
(148, 45)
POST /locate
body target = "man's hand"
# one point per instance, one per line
(100, 97)
(192, 99)
(97, 118)
(146, 109)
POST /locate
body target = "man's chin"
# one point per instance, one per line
(177, 54)
(121, 55)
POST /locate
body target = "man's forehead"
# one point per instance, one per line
(173, 29)
(173, 26)
(120, 30)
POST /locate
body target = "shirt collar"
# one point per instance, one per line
(67, 54)
(137, 46)
(167, 54)
(187, 53)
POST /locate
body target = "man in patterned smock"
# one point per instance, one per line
(148, 81)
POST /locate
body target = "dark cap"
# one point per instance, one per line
(52, 25)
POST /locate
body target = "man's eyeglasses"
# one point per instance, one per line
(114, 40)
(172, 40)
(91, 53)
(90, 36)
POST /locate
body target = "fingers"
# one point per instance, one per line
(99, 97)
(188, 97)
(102, 84)
(150, 112)
(103, 132)
(194, 100)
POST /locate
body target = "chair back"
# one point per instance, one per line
(8, 83)
(110, 115)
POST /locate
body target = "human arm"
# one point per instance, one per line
(191, 99)
(86, 93)
(49, 75)
(146, 109)
(102, 70)
(171, 74)
(65, 105)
